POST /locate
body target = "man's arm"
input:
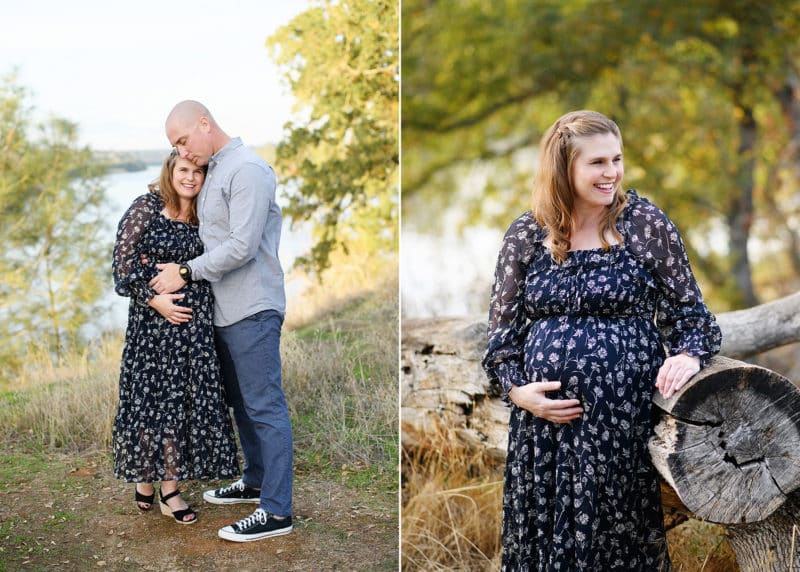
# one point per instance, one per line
(252, 193)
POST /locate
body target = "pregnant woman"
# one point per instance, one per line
(172, 423)
(589, 289)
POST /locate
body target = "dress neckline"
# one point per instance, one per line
(612, 248)
(170, 219)
(594, 249)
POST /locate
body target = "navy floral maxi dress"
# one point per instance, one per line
(172, 422)
(584, 495)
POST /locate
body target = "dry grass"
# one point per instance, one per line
(340, 377)
(350, 278)
(452, 508)
(341, 380)
(700, 546)
(68, 405)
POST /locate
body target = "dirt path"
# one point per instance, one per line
(70, 514)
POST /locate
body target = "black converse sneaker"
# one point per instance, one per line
(258, 525)
(232, 494)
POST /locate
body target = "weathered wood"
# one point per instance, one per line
(770, 545)
(729, 442)
(760, 328)
(443, 383)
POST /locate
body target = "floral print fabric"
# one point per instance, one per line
(172, 422)
(584, 495)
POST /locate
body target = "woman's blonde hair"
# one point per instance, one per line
(164, 188)
(553, 196)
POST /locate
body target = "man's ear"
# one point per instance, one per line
(205, 124)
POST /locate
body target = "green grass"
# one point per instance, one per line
(340, 374)
(13, 398)
(61, 519)
(44, 507)
(19, 467)
(342, 391)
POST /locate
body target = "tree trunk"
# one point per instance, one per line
(789, 96)
(742, 420)
(771, 545)
(740, 213)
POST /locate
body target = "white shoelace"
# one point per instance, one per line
(238, 485)
(260, 515)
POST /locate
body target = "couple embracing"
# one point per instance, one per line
(198, 256)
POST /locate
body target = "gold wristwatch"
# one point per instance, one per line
(186, 273)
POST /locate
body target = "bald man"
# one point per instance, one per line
(240, 226)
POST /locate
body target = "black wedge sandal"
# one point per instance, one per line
(178, 515)
(142, 498)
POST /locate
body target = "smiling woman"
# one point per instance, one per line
(178, 186)
(580, 176)
(575, 351)
(596, 172)
(172, 423)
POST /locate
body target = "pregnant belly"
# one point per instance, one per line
(592, 356)
(197, 296)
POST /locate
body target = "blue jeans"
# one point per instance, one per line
(249, 353)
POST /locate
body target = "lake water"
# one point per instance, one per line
(447, 274)
(122, 188)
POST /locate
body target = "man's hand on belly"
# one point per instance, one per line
(168, 280)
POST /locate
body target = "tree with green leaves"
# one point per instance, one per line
(706, 94)
(54, 264)
(340, 157)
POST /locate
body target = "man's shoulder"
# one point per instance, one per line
(244, 154)
(245, 158)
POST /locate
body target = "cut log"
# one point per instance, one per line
(729, 445)
(729, 442)
(443, 383)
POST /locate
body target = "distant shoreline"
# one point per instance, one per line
(129, 161)
(139, 160)
(132, 167)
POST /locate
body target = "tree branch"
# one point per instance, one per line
(409, 122)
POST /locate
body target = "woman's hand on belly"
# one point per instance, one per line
(531, 398)
(165, 305)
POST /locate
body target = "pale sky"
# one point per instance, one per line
(117, 68)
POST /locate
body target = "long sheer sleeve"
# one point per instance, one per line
(683, 319)
(130, 275)
(508, 323)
